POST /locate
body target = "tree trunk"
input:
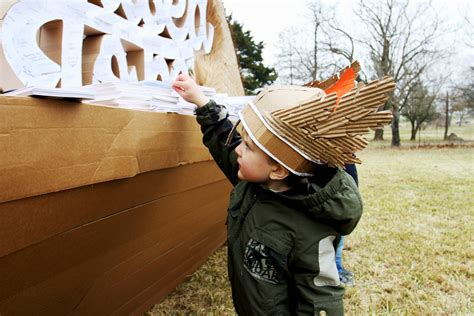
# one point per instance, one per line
(413, 131)
(395, 129)
(446, 121)
(461, 118)
(291, 64)
(385, 68)
(378, 134)
(315, 51)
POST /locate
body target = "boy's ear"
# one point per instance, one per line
(279, 172)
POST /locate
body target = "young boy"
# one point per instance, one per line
(284, 220)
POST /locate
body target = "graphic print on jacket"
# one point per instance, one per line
(264, 263)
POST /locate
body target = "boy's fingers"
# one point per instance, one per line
(179, 85)
(179, 90)
(181, 77)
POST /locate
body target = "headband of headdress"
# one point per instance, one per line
(322, 122)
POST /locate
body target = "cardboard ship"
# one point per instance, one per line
(103, 211)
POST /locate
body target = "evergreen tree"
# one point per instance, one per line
(253, 72)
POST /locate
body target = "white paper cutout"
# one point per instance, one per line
(143, 27)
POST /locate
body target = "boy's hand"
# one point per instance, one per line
(187, 88)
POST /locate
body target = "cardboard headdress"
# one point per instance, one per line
(322, 123)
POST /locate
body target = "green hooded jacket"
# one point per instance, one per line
(281, 246)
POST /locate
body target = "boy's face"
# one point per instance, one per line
(254, 164)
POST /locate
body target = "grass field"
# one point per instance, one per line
(431, 135)
(413, 251)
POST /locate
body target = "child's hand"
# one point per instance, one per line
(187, 88)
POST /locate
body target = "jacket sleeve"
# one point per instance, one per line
(337, 204)
(216, 127)
(352, 171)
(316, 278)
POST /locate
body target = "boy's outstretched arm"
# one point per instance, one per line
(215, 126)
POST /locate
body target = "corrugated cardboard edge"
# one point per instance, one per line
(220, 68)
(51, 145)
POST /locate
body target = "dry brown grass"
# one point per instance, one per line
(412, 253)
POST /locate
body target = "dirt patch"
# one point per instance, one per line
(454, 138)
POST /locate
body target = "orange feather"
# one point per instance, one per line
(343, 85)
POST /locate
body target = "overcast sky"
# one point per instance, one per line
(265, 19)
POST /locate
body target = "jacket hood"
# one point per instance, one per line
(337, 204)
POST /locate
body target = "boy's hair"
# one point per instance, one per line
(322, 174)
(293, 180)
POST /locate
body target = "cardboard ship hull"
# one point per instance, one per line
(102, 211)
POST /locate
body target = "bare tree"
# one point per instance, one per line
(401, 38)
(420, 108)
(397, 37)
(288, 56)
(304, 53)
(320, 17)
(469, 25)
(463, 101)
